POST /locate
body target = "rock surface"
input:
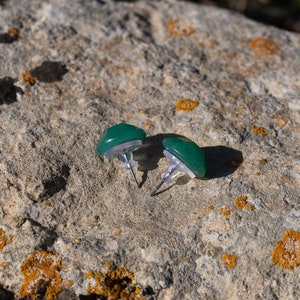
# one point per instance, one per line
(74, 225)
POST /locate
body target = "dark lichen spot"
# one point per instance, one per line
(49, 71)
(8, 91)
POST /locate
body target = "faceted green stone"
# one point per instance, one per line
(188, 152)
(118, 134)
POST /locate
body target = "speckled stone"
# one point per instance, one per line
(98, 63)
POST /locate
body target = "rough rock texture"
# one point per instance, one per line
(75, 224)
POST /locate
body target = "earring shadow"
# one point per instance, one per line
(221, 161)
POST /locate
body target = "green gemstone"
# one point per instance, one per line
(188, 152)
(118, 134)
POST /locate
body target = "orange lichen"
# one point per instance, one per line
(47, 203)
(286, 254)
(40, 270)
(241, 202)
(263, 162)
(28, 79)
(258, 130)
(116, 284)
(281, 121)
(108, 265)
(226, 213)
(89, 274)
(9, 239)
(186, 105)
(178, 27)
(211, 207)
(147, 125)
(77, 240)
(118, 232)
(263, 46)
(4, 264)
(4, 240)
(68, 283)
(229, 260)
(14, 32)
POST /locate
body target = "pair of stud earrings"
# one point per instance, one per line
(185, 156)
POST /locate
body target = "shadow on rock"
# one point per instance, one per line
(49, 71)
(8, 91)
(5, 294)
(221, 161)
(6, 38)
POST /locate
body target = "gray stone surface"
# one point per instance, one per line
(129, 62)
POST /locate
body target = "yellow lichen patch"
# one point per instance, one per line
(28, 79)
(263, 46)
(286, 254)
(186, 105)
(229, 260)
(211, 207)
(116, 284)
(179, 27)
(258, 130)
(241, 202)
(40, 270)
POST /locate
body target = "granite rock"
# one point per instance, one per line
(74, 225)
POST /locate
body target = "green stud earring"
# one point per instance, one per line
(185, 156)
(120, 141)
